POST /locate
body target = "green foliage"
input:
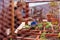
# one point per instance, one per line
(40, 25)
(43, 36)
(11, 39)
(48, 24)
(27, 26)
(43, 39)
(56, 27)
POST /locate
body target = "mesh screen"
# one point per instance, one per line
(5, 17)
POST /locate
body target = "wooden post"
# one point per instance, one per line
(12, 14)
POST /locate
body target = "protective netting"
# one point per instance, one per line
(5, 17)
(19, 15)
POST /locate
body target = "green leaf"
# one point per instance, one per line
(11, 39)
(27, 26)
(43, 34)
(48, 25)
(40, 25)
(43, 39)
